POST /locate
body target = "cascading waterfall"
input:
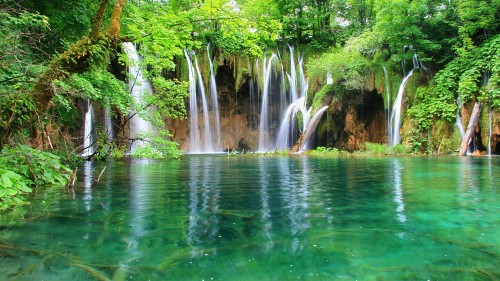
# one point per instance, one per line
(388, 104)
(215, 104)
(139, 86)
(88, 137)
(264, 137)
(202, 139)
(396, 111)
(207, 131)
(287, 136)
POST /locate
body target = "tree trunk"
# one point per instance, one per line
(114, 24)
(97, 22)
(474, 118)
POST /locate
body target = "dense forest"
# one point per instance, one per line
(57, 56)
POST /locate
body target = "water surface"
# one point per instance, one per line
(264, 218)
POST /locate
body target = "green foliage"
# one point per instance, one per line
(99, 86)
(157, 147)
(22, 167)
(12, 187)
(326, 151)
(468, 85)
(20, 63)
(418, 143)
(383, 149)
(320, 98)
(69, 19)
(347, 67)
(400, 23)
(429, 104)
(168, 100)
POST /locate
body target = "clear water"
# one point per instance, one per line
(264, 218)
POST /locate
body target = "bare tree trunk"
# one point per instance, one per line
(474, 118)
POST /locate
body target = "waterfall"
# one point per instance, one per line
(215, 103)
(108, 123)
(458, 121)
(490, 120)
(311, 126)
(285, 139)
(194, 133)
(486, 82)
(329, 78)
(88, 127)
(292, 77)
(138, 86)
(396, 111)
(287, 133)
(264, 134)
(388, 105)
(207, 131)
(202, 138)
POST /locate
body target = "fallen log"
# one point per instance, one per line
(474, 118)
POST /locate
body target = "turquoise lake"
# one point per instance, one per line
(263, 218)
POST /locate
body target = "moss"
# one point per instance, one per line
(322, 97)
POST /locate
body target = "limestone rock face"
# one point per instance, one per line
(353, 118)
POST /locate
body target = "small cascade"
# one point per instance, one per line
(215, 104)
(254, 103)
(264, 128)
(458, 121)
(490, 127)
(285, 139)
(396, 111)
(88, 130)
(138, 86)
(486, 81)
(388, 104)
(108, 123)
(329, 78)
(311, 127)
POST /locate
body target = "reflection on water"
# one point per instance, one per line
(398, 191)
(269, 218)
(266, 208)
(204, 198)
(294, 193)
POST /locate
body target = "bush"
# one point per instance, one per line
(376, 148)
(24, 167)
(157, 147)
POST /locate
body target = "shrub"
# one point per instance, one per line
(24, 167)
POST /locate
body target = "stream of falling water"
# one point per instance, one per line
(139, 86)
(396, 110)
